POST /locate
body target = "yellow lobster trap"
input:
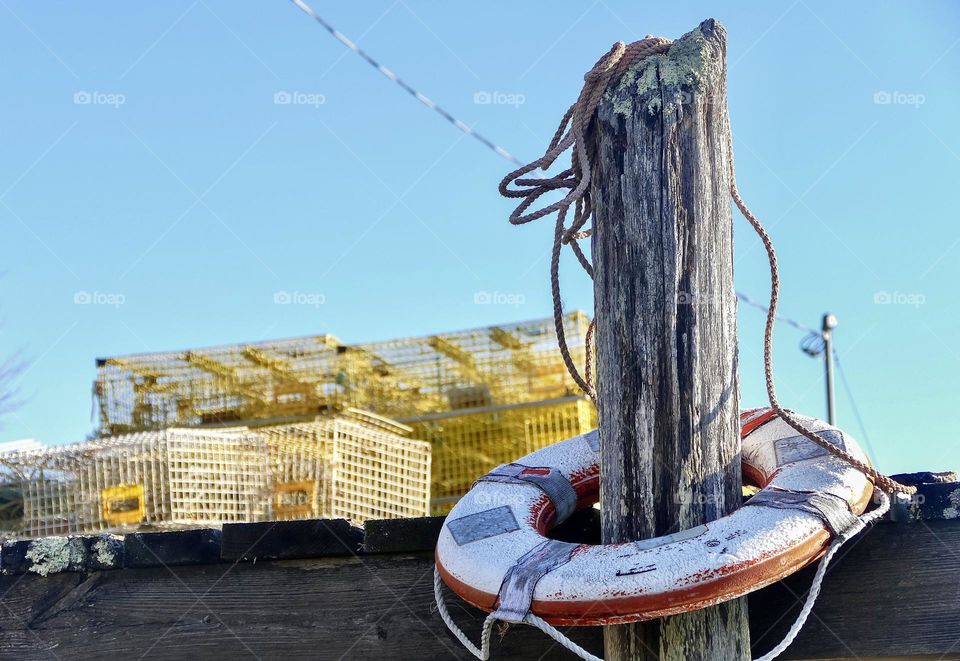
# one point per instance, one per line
(469, 444)
(340, 468)
(218, 385)
(479, 397)
(483, 367)
(302, 377)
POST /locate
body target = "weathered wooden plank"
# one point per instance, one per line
(894, 595)
(176, 547)
(281, 540)
(937, 497)
(401, 535)
(378, 608)
(666, 339)
(52, 555)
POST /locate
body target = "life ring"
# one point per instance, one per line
(493, 550)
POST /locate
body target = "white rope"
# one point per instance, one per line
(549, 629)
(839, 541)
(483, 652)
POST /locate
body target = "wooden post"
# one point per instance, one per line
(666, 338)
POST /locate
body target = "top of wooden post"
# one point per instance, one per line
(694, 62)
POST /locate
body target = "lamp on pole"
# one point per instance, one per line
(826, 330)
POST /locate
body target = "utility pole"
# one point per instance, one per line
(826, 329)
(666, 340)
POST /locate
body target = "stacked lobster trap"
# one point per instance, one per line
(333, 467)
(302, 428)
(218, 385)
(491, 366)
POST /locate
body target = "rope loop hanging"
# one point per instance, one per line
(572, 134)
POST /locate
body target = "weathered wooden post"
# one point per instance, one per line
(666, 340)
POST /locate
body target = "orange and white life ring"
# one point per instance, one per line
(493, 550)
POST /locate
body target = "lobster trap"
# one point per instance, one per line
(467, 445)
(302, 377)
(354, 467)
(169, 477)
(339, 468)
(218, 385)
(483, 367)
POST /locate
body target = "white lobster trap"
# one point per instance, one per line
(168, 477)
(332, 467)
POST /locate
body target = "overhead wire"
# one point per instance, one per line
(787, 320)
(853, 406)
(389, 73)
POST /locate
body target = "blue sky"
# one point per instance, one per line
(153, 195)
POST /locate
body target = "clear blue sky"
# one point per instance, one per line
(146, 166)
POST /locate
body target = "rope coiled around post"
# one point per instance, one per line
(571, 134)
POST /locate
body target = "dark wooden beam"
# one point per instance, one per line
(894, 594)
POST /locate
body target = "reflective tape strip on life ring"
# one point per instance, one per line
(493, 551)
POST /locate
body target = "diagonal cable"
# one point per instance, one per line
(422, 98)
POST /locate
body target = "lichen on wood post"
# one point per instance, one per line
(666, 340)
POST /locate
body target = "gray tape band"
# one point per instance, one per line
(549, 480)
(516, 591)
(832, 510)
(593, 439)
(801, 448)
(481, 525)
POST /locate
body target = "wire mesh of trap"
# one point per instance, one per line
(182, 477)
(468, 445)
(491, 366)
(495, 365)
(169, 477)
(219, 385)
(339, 468)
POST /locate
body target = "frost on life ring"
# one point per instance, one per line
(493, 550)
